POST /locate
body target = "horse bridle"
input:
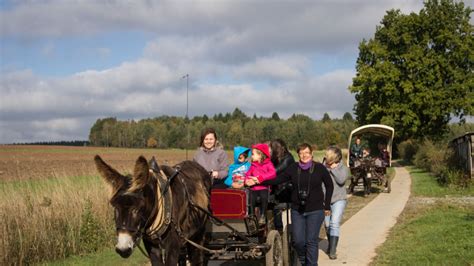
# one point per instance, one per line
(140, 230)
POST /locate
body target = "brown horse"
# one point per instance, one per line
(164, 206)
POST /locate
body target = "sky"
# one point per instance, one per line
(66, 63)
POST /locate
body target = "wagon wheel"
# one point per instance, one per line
(286, 245)
(274, 256)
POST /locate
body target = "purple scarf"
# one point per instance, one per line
(305, 166)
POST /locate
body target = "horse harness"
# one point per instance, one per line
(163, 212)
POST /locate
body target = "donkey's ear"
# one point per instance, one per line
(140, 174)
(153, 165)
(110, 175)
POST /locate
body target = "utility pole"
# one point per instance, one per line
(186, 117)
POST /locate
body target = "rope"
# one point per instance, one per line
(215, 252)
(143, 252)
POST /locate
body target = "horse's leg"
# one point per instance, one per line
(154, 253)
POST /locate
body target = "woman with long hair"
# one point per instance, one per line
(212, 157)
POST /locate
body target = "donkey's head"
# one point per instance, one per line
(132, 199)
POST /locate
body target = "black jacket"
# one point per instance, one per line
(282, 191)
(316, 200)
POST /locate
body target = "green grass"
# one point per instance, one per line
(106, 257)
(436, 235)
(425, 185)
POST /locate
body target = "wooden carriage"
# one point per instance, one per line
(236, 234)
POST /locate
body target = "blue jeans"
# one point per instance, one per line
(333, 222)
(305, 233)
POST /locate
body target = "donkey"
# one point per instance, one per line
(363, 169)
(166, 206)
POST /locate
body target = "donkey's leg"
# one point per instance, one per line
(367, 185)
(155, 254)
(196, 255)
(173, 250)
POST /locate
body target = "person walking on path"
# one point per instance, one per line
(309, 204)
(339, 174)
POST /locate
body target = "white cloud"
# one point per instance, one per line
(262, 26)
(255, 55)
(269, 68)
(67, 107)
(59, 124)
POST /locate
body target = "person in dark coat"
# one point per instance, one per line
(281, 159)
(309, 204)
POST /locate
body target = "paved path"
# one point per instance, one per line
(368, 228)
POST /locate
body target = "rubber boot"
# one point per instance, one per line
(329, 239)
(332, 247)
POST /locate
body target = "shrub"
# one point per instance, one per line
(439, 160)
(431, 157)
(92, 235)
(407, 150)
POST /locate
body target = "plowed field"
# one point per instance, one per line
(25, 162)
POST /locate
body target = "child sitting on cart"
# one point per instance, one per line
(261, 169)
(237, 170)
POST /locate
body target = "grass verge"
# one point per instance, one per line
(440, 234)
(425, 185)
(106, 257)
(435, 227)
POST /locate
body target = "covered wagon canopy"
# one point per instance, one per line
(374, 129)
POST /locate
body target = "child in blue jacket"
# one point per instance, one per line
(237, 170)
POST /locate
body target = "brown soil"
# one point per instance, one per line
(26, 162)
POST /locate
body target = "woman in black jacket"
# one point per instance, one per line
(309, 204)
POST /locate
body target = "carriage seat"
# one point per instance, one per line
(229, 203)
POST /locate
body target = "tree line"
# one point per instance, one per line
(57, 143)
(233, 129)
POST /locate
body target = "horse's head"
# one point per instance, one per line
(132, 199)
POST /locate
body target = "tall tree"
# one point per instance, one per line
(347, 116)
(326, 117)
(417, 71)
(275, 116)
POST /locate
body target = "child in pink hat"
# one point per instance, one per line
(260, 170)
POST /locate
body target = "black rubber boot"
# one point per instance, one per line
(329, 239)
(332, 247)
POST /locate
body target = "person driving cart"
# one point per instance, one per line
(355, 152)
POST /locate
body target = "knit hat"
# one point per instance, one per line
(263, 148)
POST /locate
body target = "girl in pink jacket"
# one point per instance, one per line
(261, 169)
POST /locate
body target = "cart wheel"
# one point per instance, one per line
(286, 245)
(274, 256)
